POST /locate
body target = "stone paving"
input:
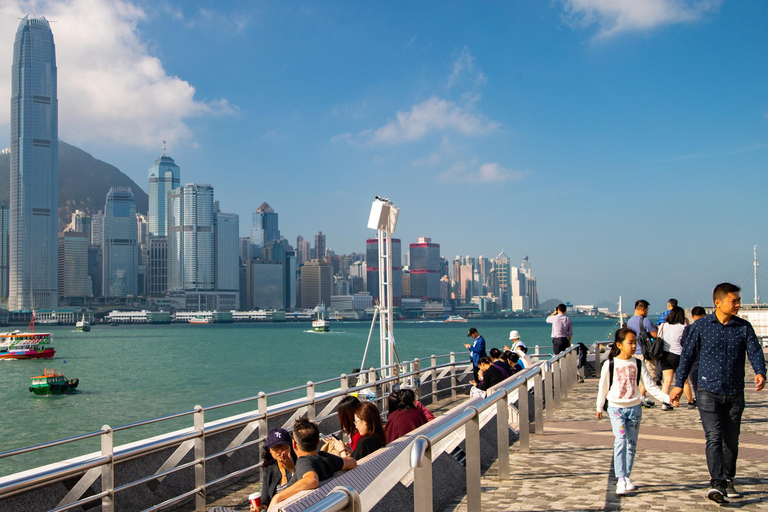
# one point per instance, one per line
(569, 466)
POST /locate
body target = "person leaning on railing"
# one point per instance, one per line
(368, 423)
(312, 467)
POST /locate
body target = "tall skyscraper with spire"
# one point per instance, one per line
(163, 177)
(34, 180)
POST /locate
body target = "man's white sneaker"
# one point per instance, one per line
(628, 484)
(621, 487)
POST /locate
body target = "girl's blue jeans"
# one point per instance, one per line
(625, 422)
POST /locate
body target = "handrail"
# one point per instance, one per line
(561, 368)
(109, 456)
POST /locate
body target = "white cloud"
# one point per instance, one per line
(434, 114)
(445, 150)
(471, 172)
(464, 65)
(110, 88)
(614, 16)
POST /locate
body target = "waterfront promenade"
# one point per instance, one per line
(569, 466)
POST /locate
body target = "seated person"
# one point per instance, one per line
(513, 360)
(394, 398)
(346, 412)
(368, 423)
(278, 460)
(499, 363)
(406, 418)
(491, 374)
(312, 467)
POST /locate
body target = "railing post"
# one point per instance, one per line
(344, 383)
(538, 403)
(199, 425)
(453, 375)
(376, 388)
(524, 427)
(311, 399)
(502, 437)
(549, 400)
(472, 445)
(434, 379)
(417, 382)
(536, 352)
(108, 469)
(557, 386)
(565, 376)
(422, 484)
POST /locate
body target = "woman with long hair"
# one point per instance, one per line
(368, 423)
(406, 418)
(671, 332)
(346, 412)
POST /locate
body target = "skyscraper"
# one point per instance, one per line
(97, 228)
(316, 284)
(303, 250)
(501, 271)
(264, 226)
(34, 177)
(163, 177)
(320, 246)
(4, 227)
(73, 265)
(425, 269)
(227, 236)
(120, 252)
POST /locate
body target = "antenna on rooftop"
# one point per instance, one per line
(163, 148)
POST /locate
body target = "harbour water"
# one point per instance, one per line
(136, 372)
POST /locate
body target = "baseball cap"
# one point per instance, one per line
(471, 330)
(514, 335)
(276, 437)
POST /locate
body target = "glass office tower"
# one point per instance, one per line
(34, 181)
(163, 177)
(121, 249)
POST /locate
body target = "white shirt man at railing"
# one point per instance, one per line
(312, 467)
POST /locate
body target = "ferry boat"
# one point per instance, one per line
(320, 324)
(26, 345)
(455, 319)
(83, 325)
(52, 383)
(201, 320)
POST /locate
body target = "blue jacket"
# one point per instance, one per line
(721, 351)
(477, 350)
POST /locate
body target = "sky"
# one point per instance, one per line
(620, 144)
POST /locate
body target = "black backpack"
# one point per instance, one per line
(652, 348)
(610, 377)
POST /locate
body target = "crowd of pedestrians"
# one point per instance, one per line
(703, 358)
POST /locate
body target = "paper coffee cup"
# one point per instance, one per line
(255, 500)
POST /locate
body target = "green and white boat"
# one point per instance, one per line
(52, 383)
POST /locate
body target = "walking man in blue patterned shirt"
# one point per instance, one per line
(721, 341)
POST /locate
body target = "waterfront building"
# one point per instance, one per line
(372, 269)
(95, 260)
(97, 228)
(264, 226)
(320, 247)
(352, 302)
(190, 238)
(425, 269)
(4, 240)
(120, 251)
(316, 283)
(226, 258)
(34, 180)
(501, 280)
(73, 280)
(266, 285)
(157, 266)
(164, 176)
(303, 251)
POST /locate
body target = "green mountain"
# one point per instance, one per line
(84, 182)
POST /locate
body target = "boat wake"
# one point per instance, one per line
(324, 332)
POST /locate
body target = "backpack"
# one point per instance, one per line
(610, 377)
(652, 348)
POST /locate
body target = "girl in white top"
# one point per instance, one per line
(623, 396)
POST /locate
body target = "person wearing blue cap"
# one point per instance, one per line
(279, 464)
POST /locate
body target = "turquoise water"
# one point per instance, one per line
(137, 372)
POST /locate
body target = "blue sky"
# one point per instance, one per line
(621, 145)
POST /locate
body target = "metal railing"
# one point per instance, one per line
(551, 383)
(443, 372)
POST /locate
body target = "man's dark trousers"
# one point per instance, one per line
(721, 419)
(560, 344)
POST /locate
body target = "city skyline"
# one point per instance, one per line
(563, 131)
